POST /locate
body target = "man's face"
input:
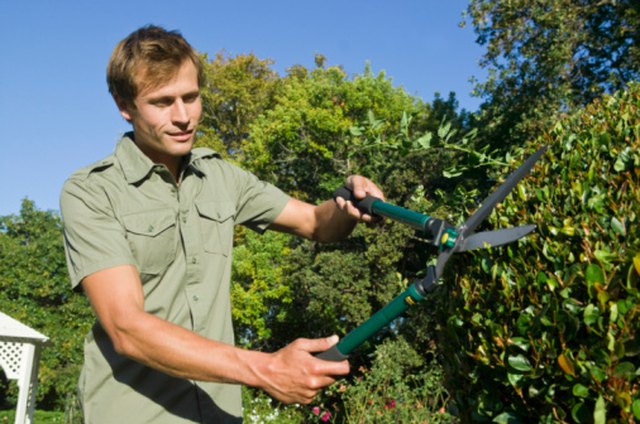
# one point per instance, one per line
(164, 118)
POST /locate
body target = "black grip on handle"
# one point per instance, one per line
(365, 205)
(332, 354)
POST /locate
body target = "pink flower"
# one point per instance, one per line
(316, 410)
(392, 404)
(325, 417)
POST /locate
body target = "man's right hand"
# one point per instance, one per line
(291, 375)
(294, 375)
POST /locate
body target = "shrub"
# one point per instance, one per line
(398, 388)
(546, 329)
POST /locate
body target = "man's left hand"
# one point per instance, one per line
(361, 187)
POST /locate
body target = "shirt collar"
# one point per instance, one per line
(136, 166)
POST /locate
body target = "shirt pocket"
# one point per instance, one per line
(216, 226)
(152, 238)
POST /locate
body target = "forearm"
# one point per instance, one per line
(333, 224)
(329, 221)
(291, 375)
(177, 351)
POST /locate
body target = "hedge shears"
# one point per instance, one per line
(447, 238)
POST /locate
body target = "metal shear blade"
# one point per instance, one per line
(490, 239)
(466, 240)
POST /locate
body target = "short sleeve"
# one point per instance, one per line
(258, 203)
(93, 238)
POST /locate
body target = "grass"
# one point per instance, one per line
(40, 417)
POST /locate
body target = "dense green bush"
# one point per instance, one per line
(546, 330)
(400, 387)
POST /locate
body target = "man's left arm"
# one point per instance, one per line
(331, 220)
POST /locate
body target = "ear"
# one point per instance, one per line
(124, 108)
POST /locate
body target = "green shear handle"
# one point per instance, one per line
(372, 205)
(449, 240)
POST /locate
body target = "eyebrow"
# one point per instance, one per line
(168, 98)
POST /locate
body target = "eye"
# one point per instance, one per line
(191, 97)
(162, 102)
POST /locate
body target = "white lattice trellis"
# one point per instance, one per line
(19, 358)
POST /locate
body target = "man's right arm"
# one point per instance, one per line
(291, 375)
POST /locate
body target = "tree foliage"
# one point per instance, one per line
(237, 91)
(35, 290)
(548, 56)
(320, 127)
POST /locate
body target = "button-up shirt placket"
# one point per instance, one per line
(192, 244)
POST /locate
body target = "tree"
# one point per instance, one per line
(238, 89)
(317, 127)
(548, 56)
(35, 289)
(320, 127)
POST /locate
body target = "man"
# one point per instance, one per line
(148, 236)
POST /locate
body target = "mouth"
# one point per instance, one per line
(181, 135)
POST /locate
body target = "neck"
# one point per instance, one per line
(172, 163)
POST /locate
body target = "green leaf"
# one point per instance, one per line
(594, 275)
(625, 370)
(600, 411)
(523, 323)
(604, 256)
(404, 122)
(514, 378)
(635, 407)
(506, 418)
(618, 226)
(451, 172)
(580, 390)
(591, 314)
(520, 342)
(425, 140)
(580, 413)
(355, 131)
(444, 129)
(519, 363)
(486, 265)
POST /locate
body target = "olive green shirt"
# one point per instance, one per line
(127, 210)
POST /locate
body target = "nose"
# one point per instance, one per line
(179, 114)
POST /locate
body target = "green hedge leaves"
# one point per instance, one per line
(548, 328)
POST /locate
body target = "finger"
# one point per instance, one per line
(329, 370)
(316, 345)
(353, 210)
(361, 186)
(358, 186)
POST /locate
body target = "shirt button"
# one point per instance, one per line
(184, 219)
(195, 298)
(194, 261)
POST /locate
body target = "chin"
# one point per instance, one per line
(180, 147)
(183, 149)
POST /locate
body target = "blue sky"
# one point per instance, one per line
(56, 114)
